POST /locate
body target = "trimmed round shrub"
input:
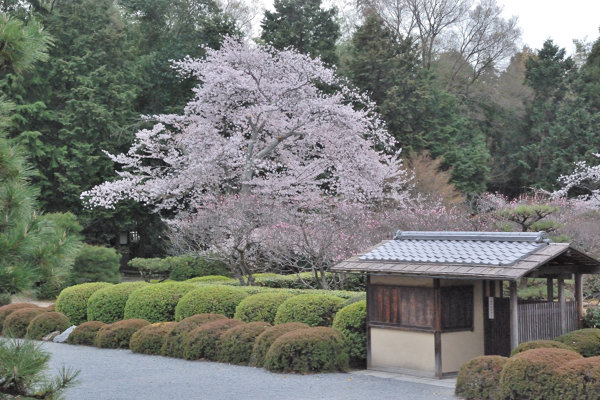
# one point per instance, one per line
(209, 300)
(46, 323)
(73, 300)
(150, 339)
(261, 306)
(265, 340)
(85, 334)
(5, 311)
(355, 299)
(584, 341)
(479, 378)
(156, 303)
(118, 335)
(96, 264)
(186, 267)
(108, 304)
(309, 350)
(202, 342)
(592, 317)
(50, 308)
(173, 346)
(236, 344)
(15, 325)
(5, 299)
(532, 373)
(352, 322)
(579, 379)
(209, 278)
(539, 344)
(311, 309)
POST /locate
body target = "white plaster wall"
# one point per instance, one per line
(391, 348)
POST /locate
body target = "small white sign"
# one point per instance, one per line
(491, 307)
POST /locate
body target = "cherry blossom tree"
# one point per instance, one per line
(584, 177)
(262, 122)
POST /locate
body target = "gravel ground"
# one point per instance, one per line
(120, 374)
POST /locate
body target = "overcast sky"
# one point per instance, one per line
(561, 20)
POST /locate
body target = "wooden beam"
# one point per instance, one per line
(550, 291)
(563, 306)
(579, 298)
(369, 358)
(514, 316)
(437, 334)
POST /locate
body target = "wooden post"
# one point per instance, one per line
(369, 305)
(514, 316)
(550, 284)
(501, 284)
(579, 298)
(437, 332)
(563, 305)
(492, 288)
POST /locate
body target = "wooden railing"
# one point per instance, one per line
(542, 320)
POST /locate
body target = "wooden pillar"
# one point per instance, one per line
(501, 284)
(492, 288)
(579, 298)
(514, 316)
(369, 305)
(563, 305)
(550, 295)
(437, 332)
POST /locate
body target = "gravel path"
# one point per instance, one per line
(122, 375)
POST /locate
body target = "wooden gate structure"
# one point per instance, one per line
(439, 296)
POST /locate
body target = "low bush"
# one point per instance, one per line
(6, 310)
(15, 325)
(50, 308)
(355, 299)
(73, 300)
(202, 342)
(187, 267)
(209, 278)
(156, 303)
(150, 339)
(261, 306)
(209, 300)
(539, 344)
(311, 309)
(108, 304)
(236, 344)
(479, 378)
(584, 341)
(532, 373)
(118, 335)
(96, 264)
(46, 323)
(5, 299)
(265, 340)
(579, 379)
(51, 289)
(592, 317)
(309, 350)
(151, 268)
(85, 334)
(173, 346)
(352, 322)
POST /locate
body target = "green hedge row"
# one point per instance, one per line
(25, 320)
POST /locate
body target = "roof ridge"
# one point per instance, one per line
(538, 237)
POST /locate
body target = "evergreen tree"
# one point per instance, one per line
(304, 25)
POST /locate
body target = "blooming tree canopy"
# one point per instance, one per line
(584, 177)
(260, 123)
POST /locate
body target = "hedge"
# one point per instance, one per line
(118, 335)
(6, 310)
(15, 325)
(108, 304)
(209, 278)
(311, 309)
(539, 344)
(73, 300)
(187, 267)
(532, 374)
(156, 303)
(202, 342)
(150, 339)
(261, 306)
(479, 378)
(236, 344)
(85, 334)
(46, 323)
(265, 340)
(584, 341)
(173, 346)
(309, 350)
(580, 379)
(209, 300)
(352, 322)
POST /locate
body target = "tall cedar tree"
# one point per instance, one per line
(419, 116)
(304, 25)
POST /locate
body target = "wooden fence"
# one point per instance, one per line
(542, 320)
